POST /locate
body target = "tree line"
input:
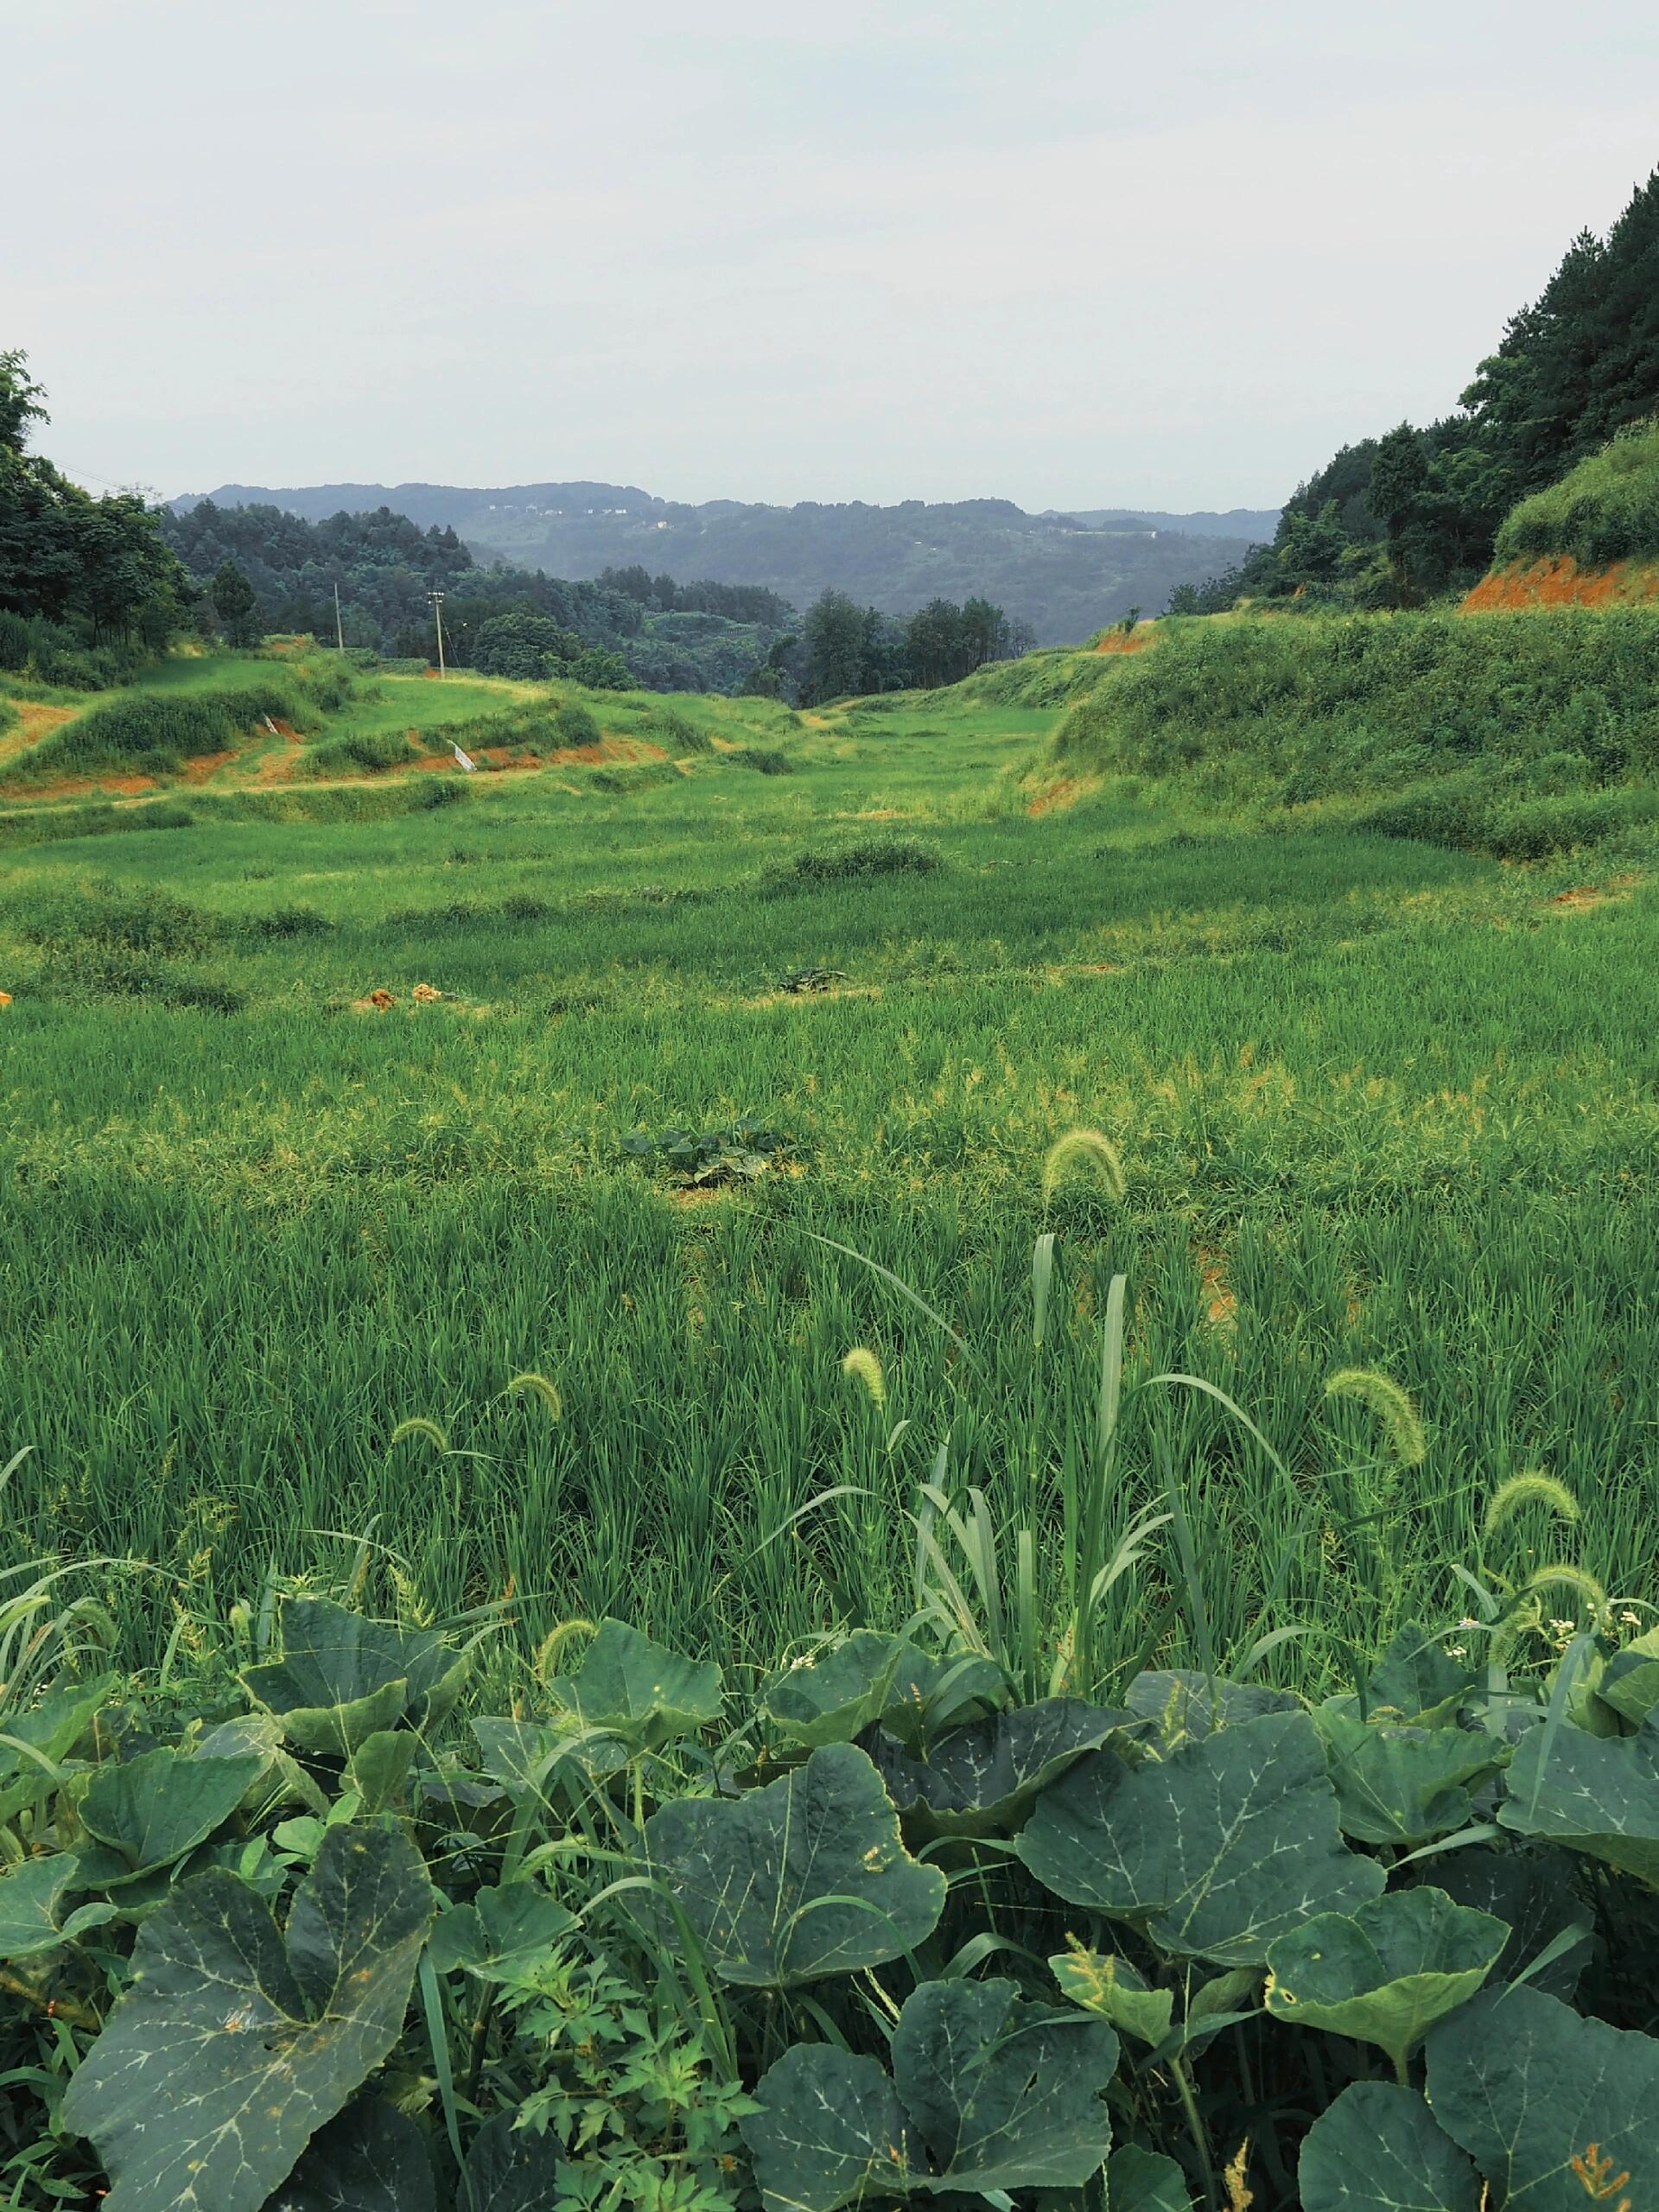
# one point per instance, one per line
(1399, 518)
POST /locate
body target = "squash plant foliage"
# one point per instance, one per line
(881, 1935)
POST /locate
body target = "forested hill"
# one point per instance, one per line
(1064, 575)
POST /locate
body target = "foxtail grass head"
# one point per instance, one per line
(1085, 1152)
(1533, 1488)
(541, 1389)
(1381, 1395)
(417, 1425)
(861, 1363)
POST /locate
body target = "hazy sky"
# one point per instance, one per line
(1069, 254)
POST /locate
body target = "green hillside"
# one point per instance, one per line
(1605, 510)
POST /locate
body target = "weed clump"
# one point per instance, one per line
(372, 752)
(735, 1152)
(859, 858)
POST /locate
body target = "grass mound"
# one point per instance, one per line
(859, 857)
(154, 733)
(365, 752)
(1605, 510)
(1520, 710)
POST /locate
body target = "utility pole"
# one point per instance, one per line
(436, 598)
(340, 633)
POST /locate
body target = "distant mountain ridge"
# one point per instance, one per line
(1066, 574)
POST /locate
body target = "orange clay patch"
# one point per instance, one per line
(1563, 583)
(1221, 1306)
(1063, 792)
(1128, 641)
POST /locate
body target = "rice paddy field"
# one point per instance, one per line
(334, 1100)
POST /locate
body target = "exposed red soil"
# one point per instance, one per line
(1563, 583)
(1128, 641)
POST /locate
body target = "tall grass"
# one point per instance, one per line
(1605, 510)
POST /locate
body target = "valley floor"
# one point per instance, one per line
(1380, 1103)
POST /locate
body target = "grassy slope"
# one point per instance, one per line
(1381, 1101)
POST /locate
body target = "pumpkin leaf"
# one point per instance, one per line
(38, 1738)
(343, 1677)
(379, 1768)
(503, 1934)
(830, 2131)
(372, 2158)
(806, 1878)
(1554, 2109)
(149, 1811)
(1180, 1708)
(1379, 2149)
(983, 1779)
(511, 2170)
(247, 2041)
(835, 1696)
(1003, 2095)
(639, 1691)
(1399, 1784)
(1386, 1973)
(29, 1897)
(1533, 1891)
(1116, 1991)
(1630, 1681)
(1214, 1851)
(536, 1758)
(1597, 1795)
(1417, 1680)
(1144, 2181)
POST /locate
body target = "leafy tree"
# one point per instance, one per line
(20, 398)
(237, 603)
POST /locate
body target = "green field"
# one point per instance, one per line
(1379, 1102)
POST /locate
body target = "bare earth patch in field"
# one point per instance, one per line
(1063, 793)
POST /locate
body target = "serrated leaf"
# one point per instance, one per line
(1003, 2095)
(29, 1897)
(1182, 1707)
(835, 1696)
(1214, 1851)
(983, 1779)
(372, 2158)
(1399, 1784)
(830, 2132)
(149, 1811)
(1532, 1891)
(1554, 2109)
(806, 1878)
(342, 1677)
(1597, 1795)
(511, 2170)
(1144, 2181)
(503, 1934)
(245, 2042)
(1379, 2149)
(639, 1691)
(1116, 1991)
(1386, 1973)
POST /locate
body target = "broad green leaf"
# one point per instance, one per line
(1417, 1680)
(149, 1811)
(1003, 2095)
(1532, 1889)
(983, 1779)
(1214, 1851)
(632, 1688)
(242, 2042)
(342, 1677)
(536, 1759)
(504, 1935)
(1387, 1974)
(1378, 2149)
(372, 2158)
(1216, 2004)
(830, 2132)
(35, 1741)
(1119, 1992)
(511, 2170)
(1144, 2181)
(1597, 1795)
(29, 1897)
(835, 1696)
(1630, 1681)
(929, 1694)
(1398, 1785)
(1180, 1708)
(806, 1878)
(379, 1768)
(1554, 2109)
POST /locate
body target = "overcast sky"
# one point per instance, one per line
(1072, 253)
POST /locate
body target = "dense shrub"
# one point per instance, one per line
(155, 733)
(574, 724)
(765, 760)
(1605, 510)
(369, 752)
